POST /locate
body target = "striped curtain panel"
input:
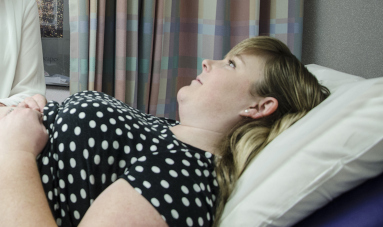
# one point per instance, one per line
(143, 51)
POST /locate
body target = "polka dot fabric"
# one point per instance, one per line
(96, 139)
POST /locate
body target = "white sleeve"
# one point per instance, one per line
(26, 67)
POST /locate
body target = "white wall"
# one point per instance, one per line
(346, 35)
(57, 93)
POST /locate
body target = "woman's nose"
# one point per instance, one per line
(206, 65)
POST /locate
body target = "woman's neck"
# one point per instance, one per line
(198, 137)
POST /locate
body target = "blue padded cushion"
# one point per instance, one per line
(359, 207)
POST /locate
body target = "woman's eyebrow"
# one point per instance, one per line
(239, 57)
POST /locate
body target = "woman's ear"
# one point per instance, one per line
(264, 107)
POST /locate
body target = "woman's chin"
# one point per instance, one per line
(182, 94)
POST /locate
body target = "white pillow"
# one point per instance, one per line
(335, 147)
(332, 79)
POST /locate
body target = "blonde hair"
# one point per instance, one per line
(297, 91)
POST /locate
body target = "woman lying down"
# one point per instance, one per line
(103, 163)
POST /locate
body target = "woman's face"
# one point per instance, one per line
(222, 87)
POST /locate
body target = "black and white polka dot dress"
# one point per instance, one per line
(96, 139)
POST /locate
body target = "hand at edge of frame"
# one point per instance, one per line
(22, 130)
(36, 102)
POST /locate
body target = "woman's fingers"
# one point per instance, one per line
(40, 100)
(29, 103)
(22, 130)
(36, 102)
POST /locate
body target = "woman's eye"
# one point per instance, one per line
(231, 64)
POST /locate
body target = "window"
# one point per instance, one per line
(55, 37)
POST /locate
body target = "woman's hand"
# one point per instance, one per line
(36, 102)
(23, 201)
(4, 110)
(21, 130)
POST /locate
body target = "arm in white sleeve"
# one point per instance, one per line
(23, 55)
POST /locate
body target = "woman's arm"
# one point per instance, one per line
(121, 205)
(25, 73)
(4, 110)
(29, 75)
(23, 201)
